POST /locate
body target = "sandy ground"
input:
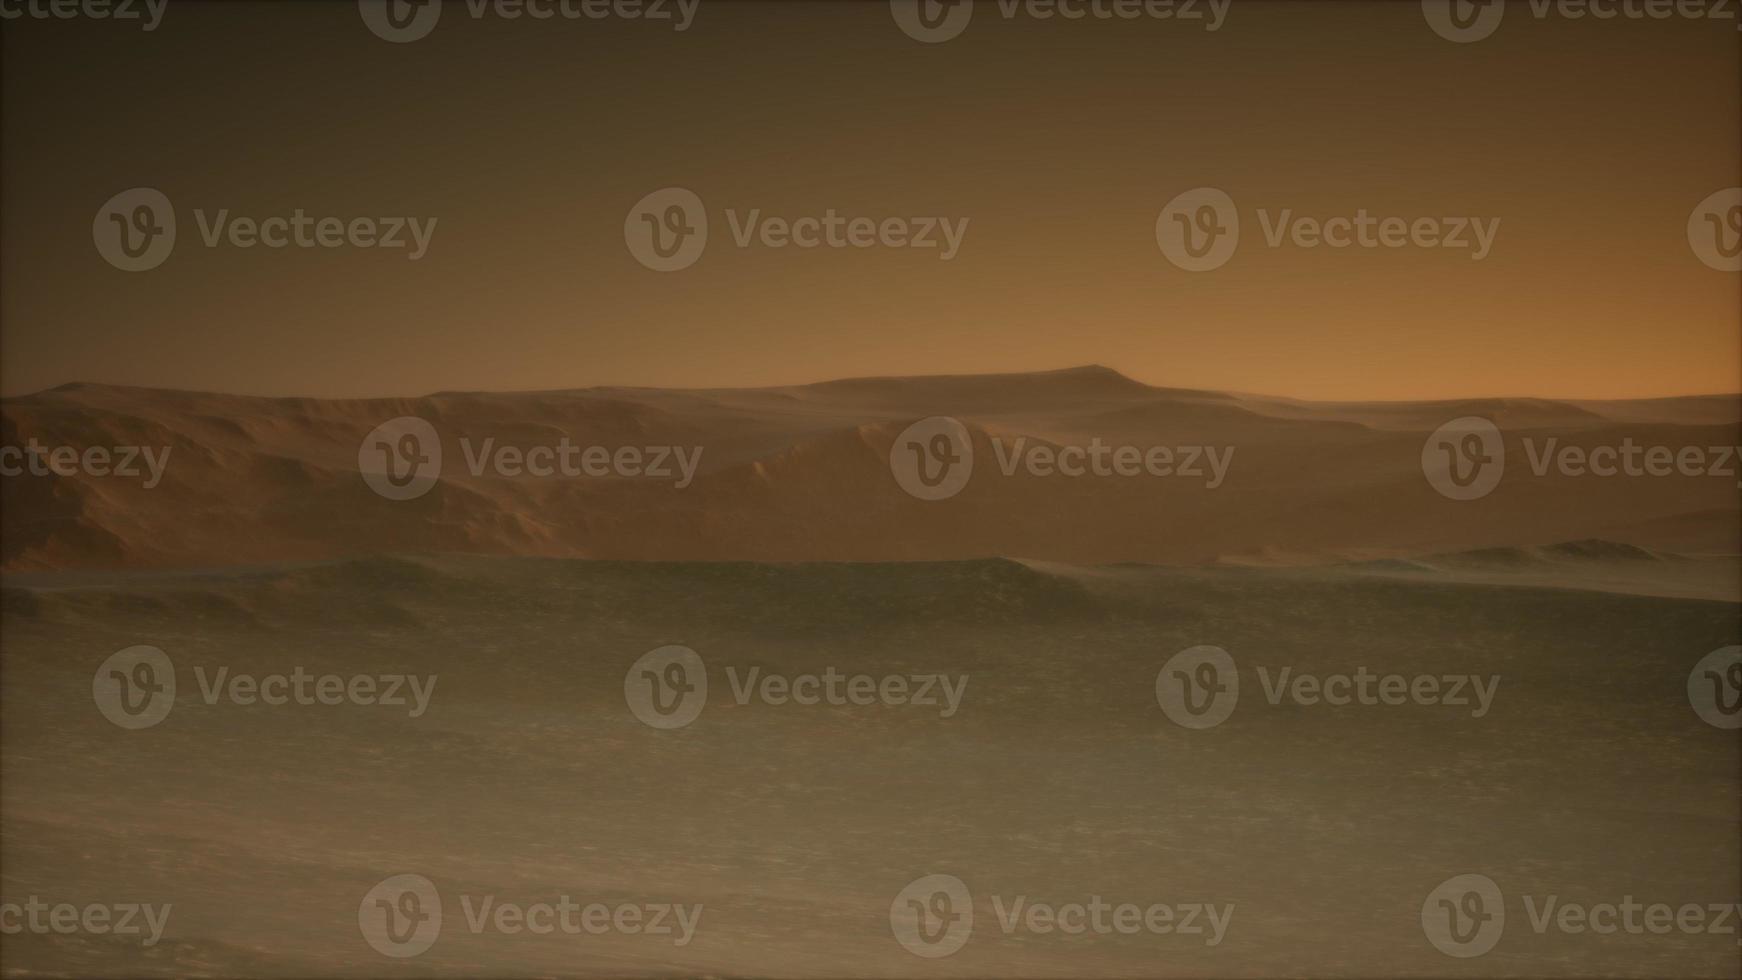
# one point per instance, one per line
(1059, 778)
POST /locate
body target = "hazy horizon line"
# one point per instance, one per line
(1088, 368)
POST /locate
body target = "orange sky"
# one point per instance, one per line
(1059, 141)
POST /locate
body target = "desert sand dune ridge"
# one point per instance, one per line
(803, 473)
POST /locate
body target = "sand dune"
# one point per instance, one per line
(1321, 548)
(803, 473)
(529, 777)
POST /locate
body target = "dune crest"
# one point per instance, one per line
(803, 473)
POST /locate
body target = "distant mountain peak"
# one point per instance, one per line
(1094, 370)
(1093, 374)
